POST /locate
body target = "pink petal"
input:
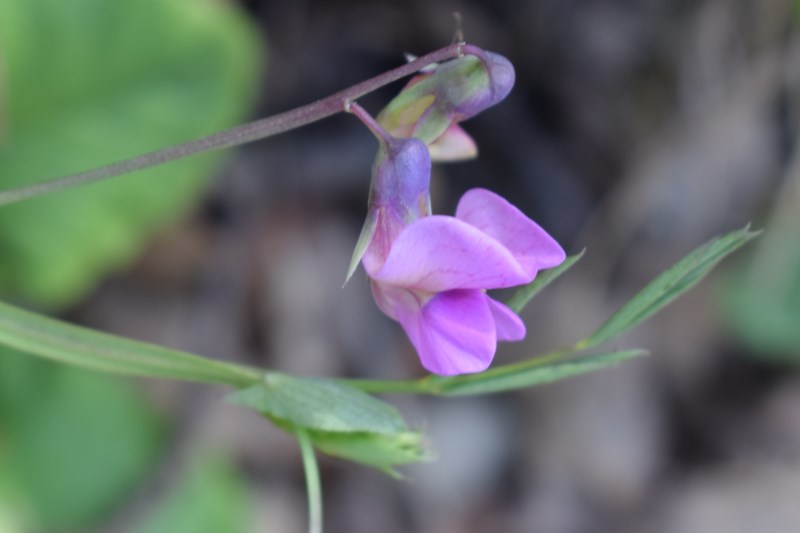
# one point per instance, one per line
(454, 332)
(390, 299)
(440, 253)
(453, 145)
(526, 240)
(509, 326)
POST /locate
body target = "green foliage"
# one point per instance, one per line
(83, 83)
(14, 515)
(341, 420)
(665, 288)
(53, 339)
(210, 498)
(530, 373)
(89, 82)
(73, 443)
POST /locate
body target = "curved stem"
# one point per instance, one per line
(313, 485)
(366, 119)
(242, 134)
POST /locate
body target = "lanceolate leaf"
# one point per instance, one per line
(665, 288)
(53, 339)
(530, 374)
(525, 294)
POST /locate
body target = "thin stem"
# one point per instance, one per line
(242, 134)
(369, 122)
(439, 385)
(398, 386)
(313, 485)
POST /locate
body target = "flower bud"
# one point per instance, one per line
(432, 103)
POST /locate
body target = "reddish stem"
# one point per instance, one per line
(369, 122)
(244, 133)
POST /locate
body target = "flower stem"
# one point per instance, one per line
(260, 129)
(362, 115)
(313, 485)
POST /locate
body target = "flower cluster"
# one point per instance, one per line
(431, 272)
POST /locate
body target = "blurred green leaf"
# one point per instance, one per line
(90, 82)
(83, 83)
(14, 514)
(669, 285)
(319, 404)
(212, 498)
(75, 445)
(53, 339)
(761, 298)
(530, 373)
(525, 294)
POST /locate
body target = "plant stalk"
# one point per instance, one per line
(245, 133)
(313, 485)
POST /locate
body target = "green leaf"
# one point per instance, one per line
(89, 82)
(14, 514)
(672, 283)
(319, 404)
(525, 294)
(379, 450)
(53, 339)
(74, 447)
(211, 498)
(531, 373)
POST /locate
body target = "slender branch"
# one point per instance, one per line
(398, 386)
(377, 130)
(313, 485)
(244, 133)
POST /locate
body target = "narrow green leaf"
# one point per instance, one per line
(669, 285)
(319, 404)
(379, 450)
(521, 376)
(525, 294)
(53, 339)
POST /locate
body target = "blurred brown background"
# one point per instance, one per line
(635, 129)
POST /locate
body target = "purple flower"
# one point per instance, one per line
(431, 273)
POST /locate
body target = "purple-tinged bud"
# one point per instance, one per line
(432, 103)
(399, 195)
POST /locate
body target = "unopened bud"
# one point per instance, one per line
(432, 103)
